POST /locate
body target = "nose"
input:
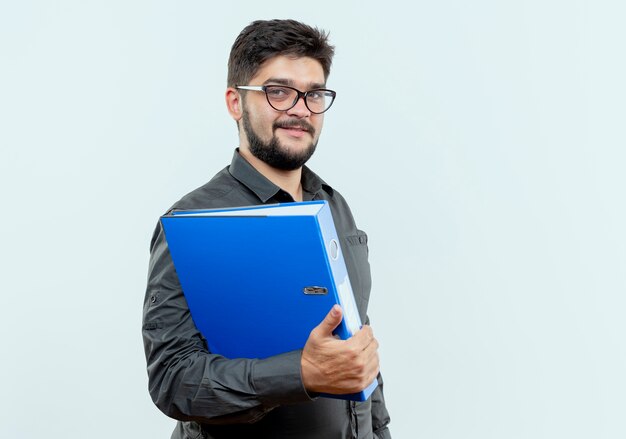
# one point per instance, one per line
(299, 110)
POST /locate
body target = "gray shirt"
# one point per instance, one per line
(216, 397)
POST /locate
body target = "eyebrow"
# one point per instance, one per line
(290, 83)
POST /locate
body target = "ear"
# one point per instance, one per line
(234, 104)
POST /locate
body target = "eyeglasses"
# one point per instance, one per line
(283, 98)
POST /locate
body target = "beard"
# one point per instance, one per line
(273, 153)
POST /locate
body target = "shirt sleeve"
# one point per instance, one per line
(185, 380)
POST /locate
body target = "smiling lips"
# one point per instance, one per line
(295, 130)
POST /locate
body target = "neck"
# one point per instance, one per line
(289, 181)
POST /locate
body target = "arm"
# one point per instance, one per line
(187, 382)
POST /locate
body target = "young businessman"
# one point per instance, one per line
(277, 94)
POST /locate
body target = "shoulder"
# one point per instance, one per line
(342, 214)
(337, 202)
(213, 194)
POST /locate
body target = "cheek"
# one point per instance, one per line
(262, 126)
(318, 127)
(259, 119)
(264, 121)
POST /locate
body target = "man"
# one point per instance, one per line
(276, 93)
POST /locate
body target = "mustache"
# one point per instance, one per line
(293, 123)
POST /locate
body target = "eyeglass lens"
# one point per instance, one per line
(284, 98)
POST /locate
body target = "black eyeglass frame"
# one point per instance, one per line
(301, 94)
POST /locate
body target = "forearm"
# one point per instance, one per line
(186, 381)
(211, 389)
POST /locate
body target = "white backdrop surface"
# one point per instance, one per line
(480, 144)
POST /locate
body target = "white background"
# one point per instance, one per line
(480, 144)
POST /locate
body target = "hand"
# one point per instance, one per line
(334, 366)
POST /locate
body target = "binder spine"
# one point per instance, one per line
(351, 322)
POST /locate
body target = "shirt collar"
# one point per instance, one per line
(313, 184)
(247, 175)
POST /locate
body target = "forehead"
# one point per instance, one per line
(296, 71)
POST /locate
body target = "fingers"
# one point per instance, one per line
(339, 366)
(371, 359)
(371, 356)
(363, 338)
(330, 322)
(363, 367)
(364, 358)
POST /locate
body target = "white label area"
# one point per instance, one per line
(350, 311)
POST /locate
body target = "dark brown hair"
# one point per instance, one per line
(262, 40)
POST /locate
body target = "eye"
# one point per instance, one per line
(277, 92)
(316, 94)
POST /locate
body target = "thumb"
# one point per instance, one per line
(331, 321)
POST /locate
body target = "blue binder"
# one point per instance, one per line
(258, 279)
